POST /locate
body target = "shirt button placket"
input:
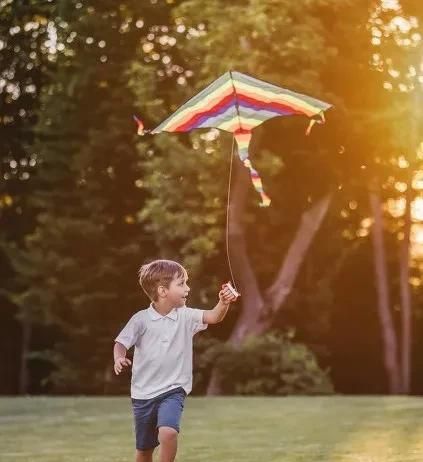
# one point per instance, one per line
(164, 335)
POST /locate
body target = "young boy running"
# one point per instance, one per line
(162, 371)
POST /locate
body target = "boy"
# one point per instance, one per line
(162, 369)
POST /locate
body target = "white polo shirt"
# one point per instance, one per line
(163, 349)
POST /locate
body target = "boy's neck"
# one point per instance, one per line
(162, 308)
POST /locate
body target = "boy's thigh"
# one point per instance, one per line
(145, 419)
(170, 409)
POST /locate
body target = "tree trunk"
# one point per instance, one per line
(258, 312)
(246, 281)
(311, 221)
(252, 301)
(26, 329)
(406, 308)
(404, 261)
(390, 346)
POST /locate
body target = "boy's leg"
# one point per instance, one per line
(169, 415)
(168, 438)
(145, 416)
(144, 456)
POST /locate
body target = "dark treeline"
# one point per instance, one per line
(338, 256)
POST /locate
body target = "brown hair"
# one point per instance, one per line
(159, 273)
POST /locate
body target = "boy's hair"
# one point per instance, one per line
(159, 273)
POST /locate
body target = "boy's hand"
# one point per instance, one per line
(228, 294)
(120, 363)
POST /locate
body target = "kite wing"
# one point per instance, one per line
(237, 103)
(213, 107)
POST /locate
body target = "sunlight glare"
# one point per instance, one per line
(417, 209)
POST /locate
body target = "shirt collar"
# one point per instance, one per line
(154, 315)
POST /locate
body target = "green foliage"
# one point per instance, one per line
(272, 364)
(274, 40)
(26, 62)
(78, 266)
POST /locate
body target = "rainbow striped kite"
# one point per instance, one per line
(237, 103)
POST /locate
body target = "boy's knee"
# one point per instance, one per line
(167, 434)
(144, 455)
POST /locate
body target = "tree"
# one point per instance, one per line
(25, 63)
(397, 57)
(247, 43)
(80, 262)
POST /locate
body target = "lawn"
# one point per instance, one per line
(224, 429)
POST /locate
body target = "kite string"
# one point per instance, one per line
(227, 213)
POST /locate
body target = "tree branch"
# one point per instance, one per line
(311, 221)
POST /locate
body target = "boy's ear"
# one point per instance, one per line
(161, 291)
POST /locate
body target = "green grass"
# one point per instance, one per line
(226, 429)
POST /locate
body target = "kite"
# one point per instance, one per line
(237, 103)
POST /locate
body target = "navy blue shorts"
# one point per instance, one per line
(164, 410)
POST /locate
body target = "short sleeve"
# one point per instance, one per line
(194, 318)
(131, 332)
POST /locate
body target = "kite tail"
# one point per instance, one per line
(243, 138)
(314, 120)
(140, 126)
(257, 183)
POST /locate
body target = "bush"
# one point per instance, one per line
(272, 364)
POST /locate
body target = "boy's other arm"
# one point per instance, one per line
(119, 354)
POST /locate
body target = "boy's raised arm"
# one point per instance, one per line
(218, 313)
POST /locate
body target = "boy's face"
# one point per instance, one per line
(178, 291)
